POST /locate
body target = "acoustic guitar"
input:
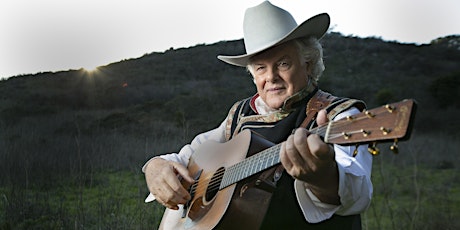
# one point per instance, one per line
(219, 167)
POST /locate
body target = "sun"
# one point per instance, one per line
(91, 69)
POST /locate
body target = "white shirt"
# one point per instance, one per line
(355, 186)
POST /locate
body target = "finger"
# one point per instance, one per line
(283, 157)
(183, 172)
(175, 186)
(160, 196)
(169, 205)
(302, 145)
(319, 149)
(174, 200)
(166, 184)
(163, 182)
(169, 197)
(322, 117)
(295, 153)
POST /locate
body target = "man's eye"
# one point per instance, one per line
(283, 65)
(260, 68)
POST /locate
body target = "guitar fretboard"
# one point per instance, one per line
(251, 165)
(257, 163)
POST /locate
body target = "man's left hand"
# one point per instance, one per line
(307, 158)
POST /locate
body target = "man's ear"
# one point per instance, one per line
(308, 68)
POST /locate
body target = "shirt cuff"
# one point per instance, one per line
(312, 208)
(149, 198)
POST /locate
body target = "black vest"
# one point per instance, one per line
(284, 211)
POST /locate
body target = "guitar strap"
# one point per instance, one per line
(318, 102)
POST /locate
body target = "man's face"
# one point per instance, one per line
(279, 73)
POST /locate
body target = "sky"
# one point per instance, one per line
(54, 35)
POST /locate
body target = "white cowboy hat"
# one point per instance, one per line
(266, 25)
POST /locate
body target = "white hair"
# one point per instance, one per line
(311, 51)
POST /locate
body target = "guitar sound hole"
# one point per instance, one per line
(214, 184)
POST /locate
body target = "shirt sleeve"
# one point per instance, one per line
(355, 186)
(217, 134)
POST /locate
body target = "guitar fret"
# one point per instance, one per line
(245, 169)
(228, 175)
(274, 159)
(240, 172)
(252, 167)
(259, 160)
(225, 177)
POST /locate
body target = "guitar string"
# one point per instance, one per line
(216, 180)
(344, 122)
(251, 161)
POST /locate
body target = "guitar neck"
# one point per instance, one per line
(258, 162)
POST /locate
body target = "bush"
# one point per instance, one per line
(446, 90)
(384, 96)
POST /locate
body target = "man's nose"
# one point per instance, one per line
(272, 75)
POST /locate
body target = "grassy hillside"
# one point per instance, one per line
(72, 142)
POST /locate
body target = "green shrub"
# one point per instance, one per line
(384, 96)
(446, 90)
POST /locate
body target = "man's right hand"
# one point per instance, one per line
(162, 179)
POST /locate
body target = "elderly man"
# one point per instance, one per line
(317, 185)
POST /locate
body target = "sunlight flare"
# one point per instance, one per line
(91, 69)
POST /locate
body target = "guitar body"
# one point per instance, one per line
(207, 209)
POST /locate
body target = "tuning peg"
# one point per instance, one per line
(390, 108)
(369, 114)
(355, 152)
(373, 149)
(365, 133)
(385, 131)
(394, 147)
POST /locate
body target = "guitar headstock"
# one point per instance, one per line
(383, 124)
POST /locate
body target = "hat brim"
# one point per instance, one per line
(315, 26)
